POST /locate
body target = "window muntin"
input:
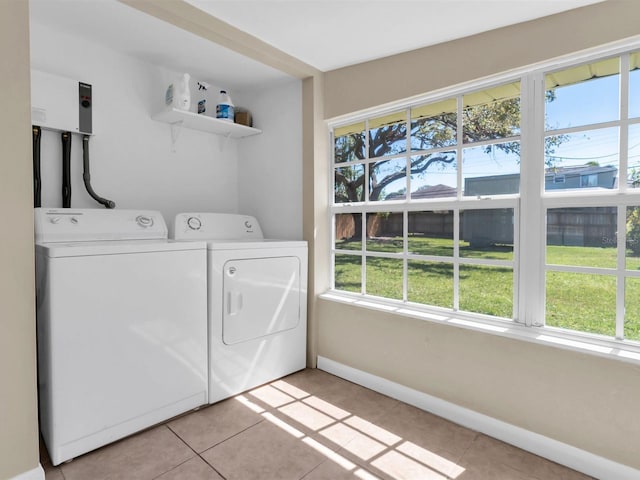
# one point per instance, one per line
(583, 149)
(585, 269)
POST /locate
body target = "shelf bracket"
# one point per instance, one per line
(176, 129)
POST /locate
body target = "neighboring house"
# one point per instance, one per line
(482, 228)
(593, 227)
(581, 176)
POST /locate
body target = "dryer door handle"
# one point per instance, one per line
(234, 303)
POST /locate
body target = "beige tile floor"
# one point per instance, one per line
(313, 426)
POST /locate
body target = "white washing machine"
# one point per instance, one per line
(257, 301)
(122, 326)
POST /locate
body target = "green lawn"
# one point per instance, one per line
(574, 301)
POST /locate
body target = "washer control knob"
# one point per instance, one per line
(144, 221)
(54, 220)
(74, 220)
(194, 223)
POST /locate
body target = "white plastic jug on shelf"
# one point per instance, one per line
(178, 94)
(224, 108)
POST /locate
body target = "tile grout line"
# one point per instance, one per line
(196, 454)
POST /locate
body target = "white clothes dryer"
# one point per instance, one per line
(257, 301)
(122, 326)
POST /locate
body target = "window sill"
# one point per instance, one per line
(601, 346)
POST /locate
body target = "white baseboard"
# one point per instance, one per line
(553, 450)
(35, 474)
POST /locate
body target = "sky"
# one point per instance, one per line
(585, 103)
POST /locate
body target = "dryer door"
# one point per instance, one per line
(261, 297)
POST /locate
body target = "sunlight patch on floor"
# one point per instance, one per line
(374, 445)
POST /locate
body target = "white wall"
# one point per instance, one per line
(270, 168)
(132, 159)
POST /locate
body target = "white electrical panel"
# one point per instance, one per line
(60, 103)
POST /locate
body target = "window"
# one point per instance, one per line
(412, 224)
(459, 202)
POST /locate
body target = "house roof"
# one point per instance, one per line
(580, 170)
(427, 191)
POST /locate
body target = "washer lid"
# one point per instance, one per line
(115, 247)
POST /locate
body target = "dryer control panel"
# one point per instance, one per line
(216, 226)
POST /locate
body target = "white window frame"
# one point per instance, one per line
(532, 203)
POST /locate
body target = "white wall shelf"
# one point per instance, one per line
(204, 123)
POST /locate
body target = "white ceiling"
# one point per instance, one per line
(129, 31)
(329, 34)
(326, 34)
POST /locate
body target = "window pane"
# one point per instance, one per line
(348, 231)
(433, 176)
(434, 125)
(633, 239)
(632, 309)
(388, 135)
(388, 180)
(384, 232)
(581, 302)
(634, 156)
(431, 233)
(581, 155)
(487, 233)
(430, 283)
(492, 113)
(348, 273)
(349, 143)
(349, 184)
(487, 290)
(384, 277)
(583, 95)
(634, 85)
(582, 236)
(492, 169)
